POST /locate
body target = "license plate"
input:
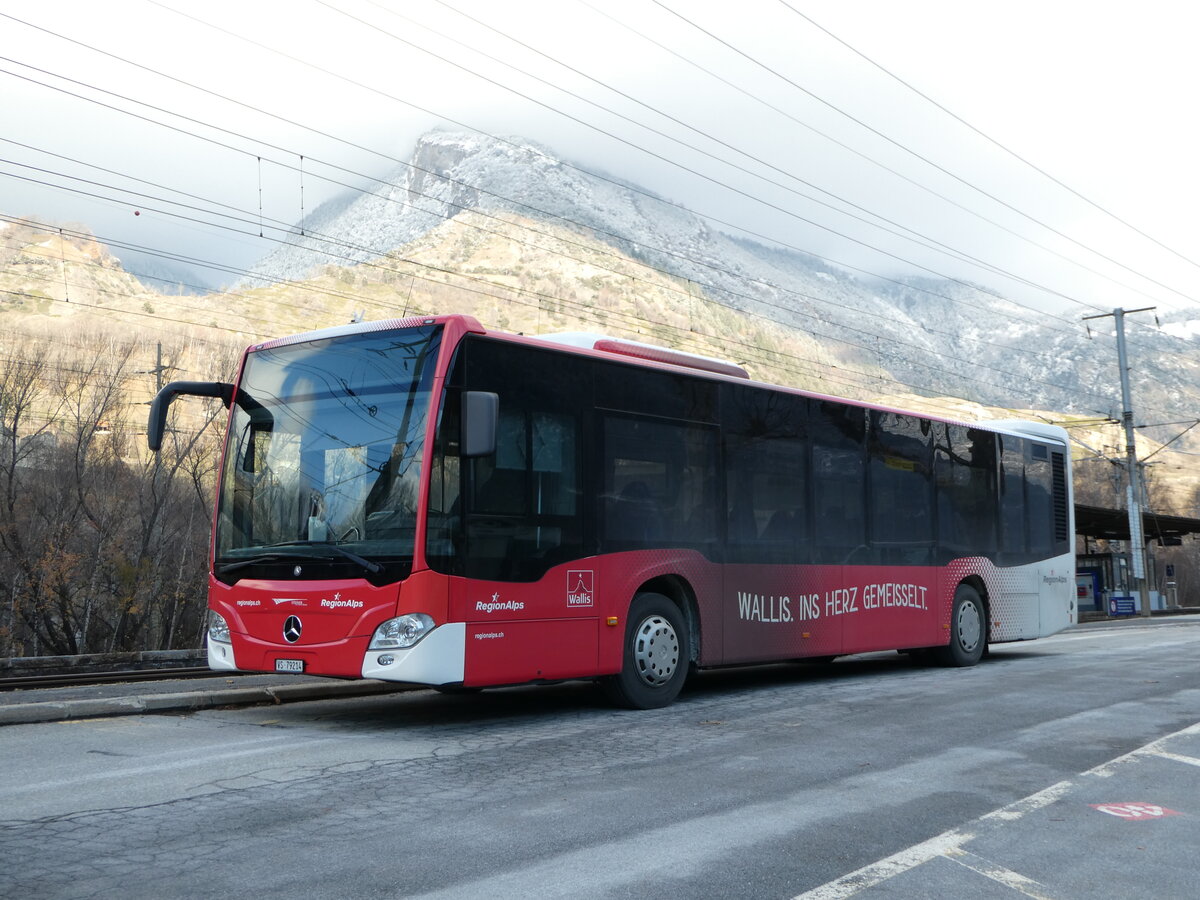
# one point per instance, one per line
(289, 665)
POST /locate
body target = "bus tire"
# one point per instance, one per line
(968, 630)
(656, 655)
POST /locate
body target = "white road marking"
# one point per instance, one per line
(1190, 760)
(1019, 808)
(896, 864)
(1007, 877)
(949, 844)
(1154, 748)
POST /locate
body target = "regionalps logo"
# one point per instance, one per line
(498, 605)
(341, 604)
(338, 603)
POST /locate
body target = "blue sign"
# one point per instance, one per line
(1121, 606)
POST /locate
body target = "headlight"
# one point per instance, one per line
(218, 628)
(401, 633)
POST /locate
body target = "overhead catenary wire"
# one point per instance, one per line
(833, 338)
(830, 376)
(762, 357)
(774, 358)
(751, 298)
(913, 153)
(757, 98)
(713, 286)
(917, 237)
(768, 238)
(825, 374)
(702, 263)
(302, 286)
(897, 230)
(721, 288)
(737, 191)
(998, 144)
(497, 138)
(220, 95)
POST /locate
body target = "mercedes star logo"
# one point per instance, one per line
(292, 629)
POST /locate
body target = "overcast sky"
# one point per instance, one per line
(1099, 95)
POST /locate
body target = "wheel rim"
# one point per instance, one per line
(656, 651)
(970, 626)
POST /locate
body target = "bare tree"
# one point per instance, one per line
(27, 442)
(102, 546)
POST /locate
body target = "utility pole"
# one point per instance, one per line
(157, 372)
(158, 369)
(1133, 492)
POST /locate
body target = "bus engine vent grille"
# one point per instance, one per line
(1061, 517)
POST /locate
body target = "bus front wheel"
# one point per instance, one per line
(656, 655)
(968, 629)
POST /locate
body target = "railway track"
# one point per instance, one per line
(76, 679)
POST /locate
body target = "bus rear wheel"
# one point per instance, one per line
(968, 630)
(656, 658)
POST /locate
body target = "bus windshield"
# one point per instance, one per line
(325, 451)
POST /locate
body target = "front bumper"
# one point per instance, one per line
(439, 658)
(220, 657)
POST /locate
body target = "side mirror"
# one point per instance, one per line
(480, 412)
(158, 409)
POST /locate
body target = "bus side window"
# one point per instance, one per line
(768, 500)
(839, 483)
(659, 484)
(500, 487)
(900, 498)
(838, 506)
(767, 477)
(513, 514)
(640, 458)
(443, 538)
(1014, 545)
(1039, 497)
(523, 512)
(554, 455)
(964, 468)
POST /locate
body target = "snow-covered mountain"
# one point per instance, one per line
(932, 336)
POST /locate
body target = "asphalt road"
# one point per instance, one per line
(1068, 767)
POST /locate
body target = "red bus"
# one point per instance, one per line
(427, 501)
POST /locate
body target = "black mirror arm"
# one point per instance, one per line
(158, 408)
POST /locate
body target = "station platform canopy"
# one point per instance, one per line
(1113, 524)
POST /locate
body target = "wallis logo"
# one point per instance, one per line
(581, 587)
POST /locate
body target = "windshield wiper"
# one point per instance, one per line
(372, 567)
(252, 561)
